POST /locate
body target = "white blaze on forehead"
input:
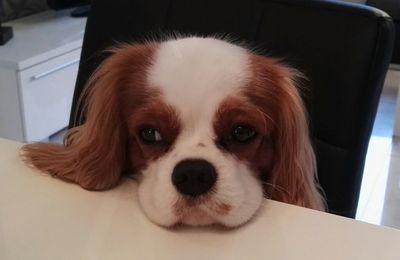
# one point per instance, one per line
(196, 74)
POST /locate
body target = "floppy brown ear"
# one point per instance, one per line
(293, 176)
(295, 165)
(94, 154)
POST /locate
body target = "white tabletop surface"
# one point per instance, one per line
(45, 218)
(40, 37)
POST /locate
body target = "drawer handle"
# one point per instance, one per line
(44, 74)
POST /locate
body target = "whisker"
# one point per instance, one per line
(264, 116)
(277, 187)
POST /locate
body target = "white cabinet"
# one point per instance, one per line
(38, 69)
(46, 94)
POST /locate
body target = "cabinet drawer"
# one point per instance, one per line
(46, 93)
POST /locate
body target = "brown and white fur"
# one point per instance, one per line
(193, 93)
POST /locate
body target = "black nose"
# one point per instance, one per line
(194, 177)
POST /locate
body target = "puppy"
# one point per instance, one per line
(210, 129)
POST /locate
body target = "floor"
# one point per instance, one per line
(379, 201)
(380, 193)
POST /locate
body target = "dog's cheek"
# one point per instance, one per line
(156, 195)
(247, 197)
(254, 198)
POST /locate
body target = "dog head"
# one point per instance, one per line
(209, 128)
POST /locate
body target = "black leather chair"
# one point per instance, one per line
(392, 7)
(343, 49)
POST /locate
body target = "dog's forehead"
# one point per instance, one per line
(196, 74)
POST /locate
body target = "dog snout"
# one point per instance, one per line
(194, 177)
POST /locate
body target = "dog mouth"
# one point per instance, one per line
(204, 210)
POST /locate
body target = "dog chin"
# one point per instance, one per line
(203, 214)
(198, 218)
(206, 215)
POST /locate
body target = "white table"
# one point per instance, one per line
(45, 218)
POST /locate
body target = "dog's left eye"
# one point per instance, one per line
(243, 134)
(150, 135)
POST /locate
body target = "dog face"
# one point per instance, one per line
(208, 127)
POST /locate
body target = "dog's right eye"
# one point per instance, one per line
(243, 134)
(150, 135)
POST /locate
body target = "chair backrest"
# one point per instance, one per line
(392, 7)
(343, 49)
